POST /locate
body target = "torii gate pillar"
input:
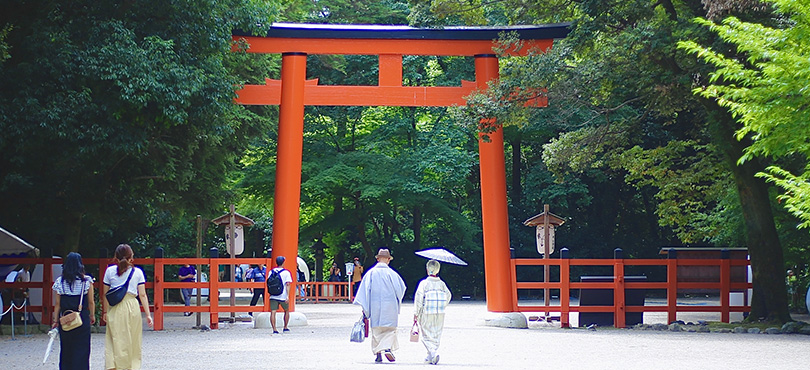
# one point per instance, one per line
(494, 211)
(286, 209)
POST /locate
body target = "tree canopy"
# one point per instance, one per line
(112, 113)
(767, 91)
(119, 125)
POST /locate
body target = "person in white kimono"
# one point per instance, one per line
(380, 294)
(429, 302)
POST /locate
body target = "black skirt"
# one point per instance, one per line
(74, 345)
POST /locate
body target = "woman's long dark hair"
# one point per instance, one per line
(72, 268)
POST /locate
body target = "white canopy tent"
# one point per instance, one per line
(11, 244)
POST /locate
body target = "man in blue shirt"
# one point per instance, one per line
(187, 273)
(256, 274)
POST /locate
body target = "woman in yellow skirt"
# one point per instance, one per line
(124, 324)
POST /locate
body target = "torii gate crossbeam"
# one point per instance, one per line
(295, 41)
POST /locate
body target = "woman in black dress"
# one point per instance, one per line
(73, 288)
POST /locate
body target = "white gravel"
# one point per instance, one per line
(324, 344)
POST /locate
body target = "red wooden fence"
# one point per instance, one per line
(619, 307)
(341, 291)
(157, 283)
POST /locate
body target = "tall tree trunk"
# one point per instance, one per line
(361, 234)
(767, 262)
(73, 232)
(516, 193)
(417, 228)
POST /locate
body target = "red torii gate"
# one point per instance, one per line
(295, 41)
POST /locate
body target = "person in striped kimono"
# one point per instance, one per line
(430, 300)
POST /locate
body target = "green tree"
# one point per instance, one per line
(766, 92)
(113, 113)
(626, 84)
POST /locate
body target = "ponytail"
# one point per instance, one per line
(123, 253)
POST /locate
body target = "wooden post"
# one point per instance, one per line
(725, 284)
(232, 253)
(213, 289)
(266, 297)
(546, 252)
(513, 285)
(199, 273)
(619, 303)
(47, 298)
(672, 285)
(565, 287)
(158, 315)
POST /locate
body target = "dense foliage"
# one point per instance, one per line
(118, 125)
(117, 116)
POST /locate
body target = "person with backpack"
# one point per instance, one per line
(278, 283)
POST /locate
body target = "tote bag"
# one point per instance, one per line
(415, 332)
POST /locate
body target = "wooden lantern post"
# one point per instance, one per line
(233, 219)
(545, 221)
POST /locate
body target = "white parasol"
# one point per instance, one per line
(441, 255)
(52, 333)
(302, 265)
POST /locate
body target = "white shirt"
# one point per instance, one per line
(112, 280)
(286, 279)
(78, 287)
(24, 276)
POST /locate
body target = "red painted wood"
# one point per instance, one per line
(275, 45)
(339, 95)
(286, 202)
(390, 70)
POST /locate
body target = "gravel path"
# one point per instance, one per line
(324, 344)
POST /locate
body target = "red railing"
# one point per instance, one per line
(619, 308)
(326, 291)
(156, 281)
(341, 291)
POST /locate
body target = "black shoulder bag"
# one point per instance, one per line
(117, 294)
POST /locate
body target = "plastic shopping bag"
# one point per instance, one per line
(358, 331)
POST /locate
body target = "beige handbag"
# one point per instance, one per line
(414, 332)
(72, 319)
